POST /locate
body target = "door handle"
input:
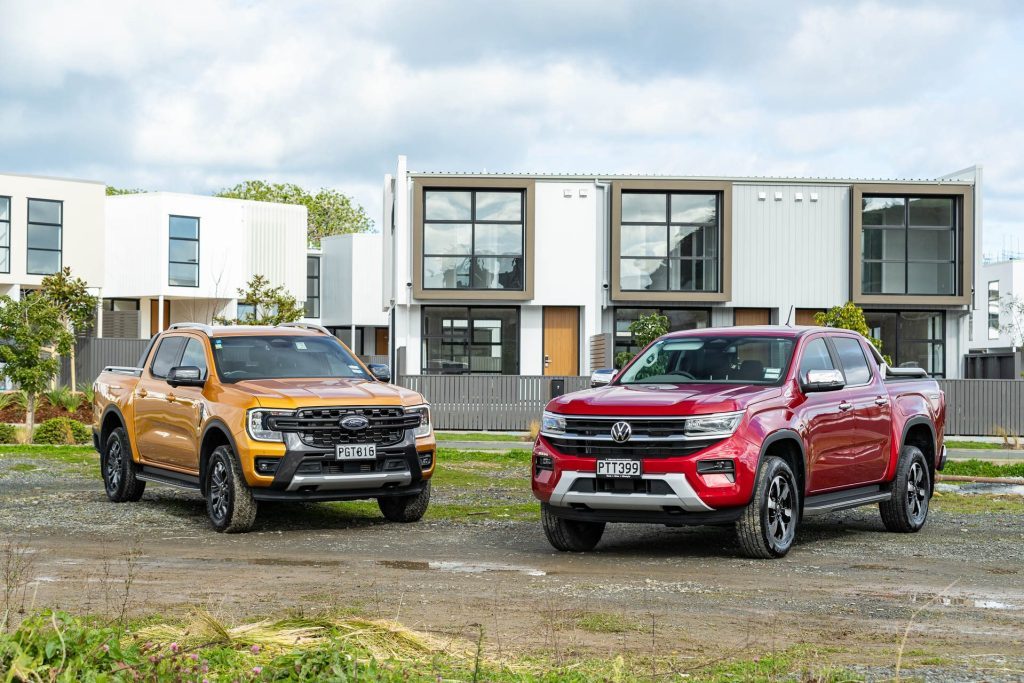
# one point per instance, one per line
(845, 405)
(142, 393)
(881, 401)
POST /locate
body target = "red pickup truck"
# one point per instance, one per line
(755, 426)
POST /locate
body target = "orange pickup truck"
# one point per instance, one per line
(244, 414)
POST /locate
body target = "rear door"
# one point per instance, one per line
(151, 428)
(872, 413)
(828, 421)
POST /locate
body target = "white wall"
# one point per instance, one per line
(1010, 276)
(82, 231)
(351, 280)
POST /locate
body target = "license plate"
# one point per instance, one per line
(619, 468)
(362, 451)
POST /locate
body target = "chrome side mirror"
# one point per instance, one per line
(823, 380)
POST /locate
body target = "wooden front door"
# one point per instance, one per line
(154, 315)
(381, 344)
(561, 340)
(752, 316)
(805, 316)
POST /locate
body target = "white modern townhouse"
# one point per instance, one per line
(995, 352)
(47, 224)
(181, 257)
(345, 277)
(530, 274)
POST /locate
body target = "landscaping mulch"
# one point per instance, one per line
(44, 411)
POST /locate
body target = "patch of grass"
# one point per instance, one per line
(479, 436)
(513, 457)
(974, 445)
(982, 468)
(74, 455)
(607, 622)
(24, 467)
(977, 504)
(514, 512)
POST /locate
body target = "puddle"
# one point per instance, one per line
(967, 601)
(460, 567)
(980, 488)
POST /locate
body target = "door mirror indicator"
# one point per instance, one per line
(823, 380)
(185, 376)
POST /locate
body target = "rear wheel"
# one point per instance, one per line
(907, 510)
(569, 534)
(405, 508)
(119, 470)
(229, 501)
(768, 524)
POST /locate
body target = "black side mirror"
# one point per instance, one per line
(381, 373)
(823, 380)
(185, 376)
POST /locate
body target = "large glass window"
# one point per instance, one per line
(909, 245)
(914, 339)
(312, 286)
(460, 340)
(5, 234)
(45, 236)
(669, 242)
(993, 310)
(183, 262)
(678, 319)
(473, 239)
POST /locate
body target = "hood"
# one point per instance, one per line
(662, 399)
(298, 393)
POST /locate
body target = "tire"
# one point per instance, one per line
(568, 534)
(119, 470)
(405, 509)
(907, 510)
(229, 502)
(768, 524)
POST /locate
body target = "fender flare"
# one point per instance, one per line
(113, 408)
(913, 422)
(213, 424)
(779, 435)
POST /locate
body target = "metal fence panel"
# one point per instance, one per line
(983, 407)
(93, 354)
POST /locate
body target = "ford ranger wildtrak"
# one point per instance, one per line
(247, 414)
(755, 427)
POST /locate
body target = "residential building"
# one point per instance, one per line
(347, 275)
(182, 257)
(542, 274)
(995, 349)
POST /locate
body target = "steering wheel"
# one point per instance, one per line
(682, 373)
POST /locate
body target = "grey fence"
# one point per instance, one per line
(93, 354)
(495, 402)
(983, 407)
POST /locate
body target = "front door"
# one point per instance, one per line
(154, 316)
(381, 342)
(865, 389)
(561, 340)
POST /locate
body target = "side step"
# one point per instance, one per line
(158, 475)
(844, 500)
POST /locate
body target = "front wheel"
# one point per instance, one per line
(569, 534)
(768, 524)
(906, 511)
(229, 501)
(119, 470)
(405, 508)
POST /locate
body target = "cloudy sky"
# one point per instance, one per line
(195, 95)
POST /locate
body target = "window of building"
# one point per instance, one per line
(851, 356)
(678, 319)
(245, 312)
(183, 259)
(5, 234)
(911, 338)
(909, 245)
(45, 236)
(669, 242)
(463, 340)
(120, 304)
(312, 286)
(993, 310)
(473, 239)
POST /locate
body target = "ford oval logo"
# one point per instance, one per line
(354, 423)
(621, 431)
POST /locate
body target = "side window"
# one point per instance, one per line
(167, 356)
(815, 358)
(195, 355)
(851, 356)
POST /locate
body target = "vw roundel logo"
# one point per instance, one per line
(621, 431)
(353, 423)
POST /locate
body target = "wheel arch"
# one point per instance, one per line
(919, 431)
(215, 434)
(112, 419)
(787, 444)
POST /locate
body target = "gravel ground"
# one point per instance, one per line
(847, 590)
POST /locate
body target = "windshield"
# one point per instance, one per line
(283, 357)
(705, 360)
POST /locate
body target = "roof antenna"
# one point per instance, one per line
(789, 318)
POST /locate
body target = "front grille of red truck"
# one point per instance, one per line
(649, 438)
(321, 428)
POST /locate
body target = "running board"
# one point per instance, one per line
(158, 475)
(844, 500)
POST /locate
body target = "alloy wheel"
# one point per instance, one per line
(219, 490)
(115, 461)
(917, 492)
(780, 509)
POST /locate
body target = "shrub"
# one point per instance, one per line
(86, 390)
(9, 398)
(8, 433)
(62, 430)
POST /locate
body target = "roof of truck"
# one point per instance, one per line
(250, 330)
(759, 331)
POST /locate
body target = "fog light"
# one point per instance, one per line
(717, 472)
(266, 465)
(426, 460)
(543, 463)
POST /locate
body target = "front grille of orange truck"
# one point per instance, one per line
(321, 427)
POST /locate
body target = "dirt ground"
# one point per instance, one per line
(848, 589)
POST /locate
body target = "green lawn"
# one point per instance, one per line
(975, 445)
(983, 468)
(479, 436)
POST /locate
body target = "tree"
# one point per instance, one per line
(1013, 310)
(75, 306)
(270, 305)
(644, 329)
(33, 341)
(116, 191)
(330, 211)
(849, 316)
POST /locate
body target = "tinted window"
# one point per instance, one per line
(283, 357)
(195, 355)
(815, 358)
(705, 360)
(167, 355)
(851, 355)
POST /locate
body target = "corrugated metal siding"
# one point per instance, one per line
(790, 252)
(983, 407)
(276, 246)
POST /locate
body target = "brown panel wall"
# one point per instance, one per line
(752, 316)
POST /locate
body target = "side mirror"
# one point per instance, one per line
(185, 376)
(823, 380)
(381, 373)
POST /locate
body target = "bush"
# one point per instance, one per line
(62, 431)
(8, 433)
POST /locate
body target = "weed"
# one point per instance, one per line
(604, 622)
(16, 562)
